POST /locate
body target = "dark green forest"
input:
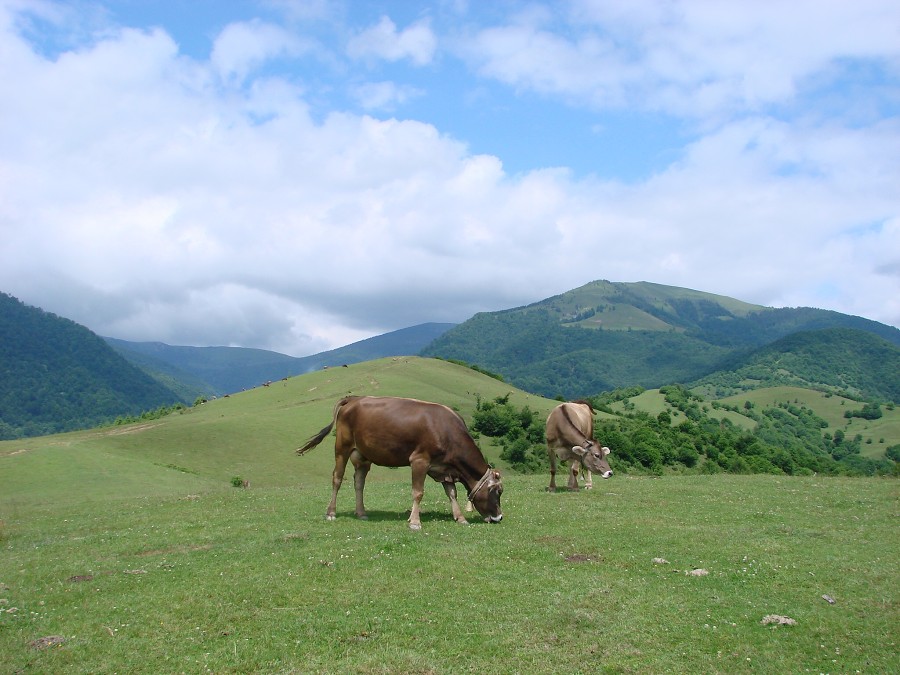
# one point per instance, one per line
(56, 376)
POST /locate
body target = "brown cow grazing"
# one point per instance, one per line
(428, 437)
(570, 436)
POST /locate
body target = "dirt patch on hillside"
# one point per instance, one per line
(130, 429)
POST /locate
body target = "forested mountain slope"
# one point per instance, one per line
(840, 360)
(56, 375)
(606, 335)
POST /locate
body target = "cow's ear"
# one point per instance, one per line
(578, 450)
(605, 451)
(496, 474)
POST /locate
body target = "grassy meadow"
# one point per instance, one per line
(126, 549)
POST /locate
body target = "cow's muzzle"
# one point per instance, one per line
(494, 519)
(606, 474)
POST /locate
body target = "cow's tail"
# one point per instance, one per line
(319, 437)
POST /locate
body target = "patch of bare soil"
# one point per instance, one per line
(130, 429)
(582, 558)
(47, 641)
(81, 577)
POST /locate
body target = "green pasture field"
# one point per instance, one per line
(876, 434)
(257, 581)
(126, 550)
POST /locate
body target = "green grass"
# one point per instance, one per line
(131, 544)
(256, 581)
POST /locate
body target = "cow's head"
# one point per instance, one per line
(594, 459)
(486, 497)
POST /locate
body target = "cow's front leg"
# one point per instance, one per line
(361, 469)
(574, 470)
(450, 489)
(588, 481)
(419, 471)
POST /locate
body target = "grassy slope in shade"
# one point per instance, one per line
(131, 545)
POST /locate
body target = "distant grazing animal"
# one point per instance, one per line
(428, 437)
(570, 436)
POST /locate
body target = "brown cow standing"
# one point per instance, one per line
(428, 437)
(570, 436)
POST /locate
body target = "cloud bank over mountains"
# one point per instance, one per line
(298, 180)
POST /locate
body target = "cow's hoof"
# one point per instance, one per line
(588, 487)
(462, 521)
(551, 489)
(415, 526)
(362, 516)
(330, 516)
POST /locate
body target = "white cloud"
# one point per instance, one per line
(383, 41)
(242, 47)
(139, 198)
(384, 95)
(694, 58)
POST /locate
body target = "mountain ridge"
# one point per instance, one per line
(225, 370)
(605, 335)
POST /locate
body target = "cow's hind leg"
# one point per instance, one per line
(337, 477)
(361, 468)
(552, 454)
(342, 450)
(419, 471)
(450, 489)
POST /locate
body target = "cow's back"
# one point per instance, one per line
(387, 431)
(570, 424)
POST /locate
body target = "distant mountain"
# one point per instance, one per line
(606, 335)
(56, 375)
(223, 370)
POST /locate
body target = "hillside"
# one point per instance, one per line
(608, 335)
(56, 375)
(224, 370)
(253, 435)
(838, 360)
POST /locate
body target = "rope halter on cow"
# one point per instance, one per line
(480, 484)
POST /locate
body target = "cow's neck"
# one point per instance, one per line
(472, 472)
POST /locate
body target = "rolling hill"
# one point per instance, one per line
(607, 335)
(253, 435)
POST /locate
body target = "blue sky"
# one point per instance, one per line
(300, 175)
